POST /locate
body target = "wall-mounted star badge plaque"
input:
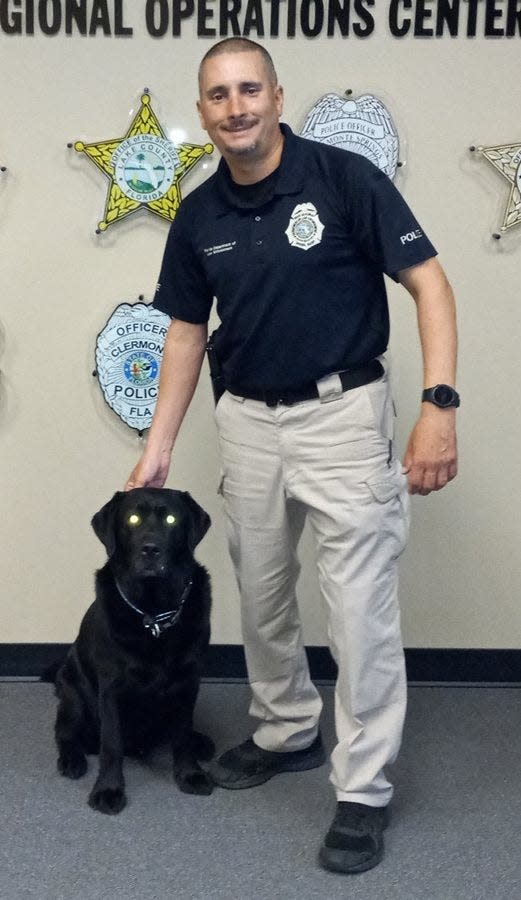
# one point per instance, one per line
(144, 168)
(506, 158)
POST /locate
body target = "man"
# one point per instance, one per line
(292, 238)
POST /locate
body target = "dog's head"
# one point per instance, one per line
(147, 530)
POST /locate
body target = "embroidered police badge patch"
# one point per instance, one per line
(129, 350)
(363, 126)
(305, 228)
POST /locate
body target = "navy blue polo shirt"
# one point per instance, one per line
(296, 267)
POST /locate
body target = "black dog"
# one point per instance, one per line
(130, 680)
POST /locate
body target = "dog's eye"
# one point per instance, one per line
(134, 519)
(170, 519)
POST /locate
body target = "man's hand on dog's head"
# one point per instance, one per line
(150, 471)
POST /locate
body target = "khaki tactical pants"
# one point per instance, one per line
(331, 460)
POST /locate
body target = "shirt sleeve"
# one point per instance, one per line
(386, 229)
(182, 291)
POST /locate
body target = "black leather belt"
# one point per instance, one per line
(349, 378)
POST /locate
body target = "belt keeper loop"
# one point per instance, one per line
(330, 388)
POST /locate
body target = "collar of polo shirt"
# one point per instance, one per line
(290, 179)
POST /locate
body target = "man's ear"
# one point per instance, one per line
(201, 116)
(103, 523)
(279, 98)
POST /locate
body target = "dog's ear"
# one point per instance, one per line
(103, 523)
(199, 521)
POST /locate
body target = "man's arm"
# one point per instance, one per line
(431, 458)
(183, 355)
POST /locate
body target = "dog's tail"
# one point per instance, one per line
(50, 672)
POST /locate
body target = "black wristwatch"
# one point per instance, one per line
(441, 395)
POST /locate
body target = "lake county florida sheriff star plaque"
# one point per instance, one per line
(144, 168)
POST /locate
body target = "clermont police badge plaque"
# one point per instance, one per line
(363, 126)
(144, 168)
(129, 350)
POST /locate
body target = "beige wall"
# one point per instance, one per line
(63, 452)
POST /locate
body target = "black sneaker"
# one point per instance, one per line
(248, 765)
(354, 843)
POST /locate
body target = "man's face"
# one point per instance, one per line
(239, 105)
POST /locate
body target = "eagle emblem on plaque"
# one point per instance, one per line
(362, 125)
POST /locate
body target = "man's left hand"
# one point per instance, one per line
(431, 458)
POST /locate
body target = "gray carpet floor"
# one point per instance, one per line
(455, 832)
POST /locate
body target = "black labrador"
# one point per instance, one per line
(131, 678)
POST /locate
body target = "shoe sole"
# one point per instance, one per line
(262, 777)
(333, 861)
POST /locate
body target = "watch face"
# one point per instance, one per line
(443, 395)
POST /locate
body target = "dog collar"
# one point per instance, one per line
(156, 625)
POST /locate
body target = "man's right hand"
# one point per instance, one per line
(183, 354)
(151, 471)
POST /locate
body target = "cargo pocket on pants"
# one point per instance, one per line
(392, 497)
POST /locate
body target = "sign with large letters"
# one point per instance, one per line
(259, 19)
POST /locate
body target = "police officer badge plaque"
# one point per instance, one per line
(129, 350)
(144, 167)
(363, 126)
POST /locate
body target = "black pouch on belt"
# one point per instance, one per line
(218, 386)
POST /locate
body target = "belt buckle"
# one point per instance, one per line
(330, 387)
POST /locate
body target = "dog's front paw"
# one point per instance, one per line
(72, 765)
(108, 800)
(195, 782)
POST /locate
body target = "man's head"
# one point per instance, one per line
(240, 45)
(240, 101)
